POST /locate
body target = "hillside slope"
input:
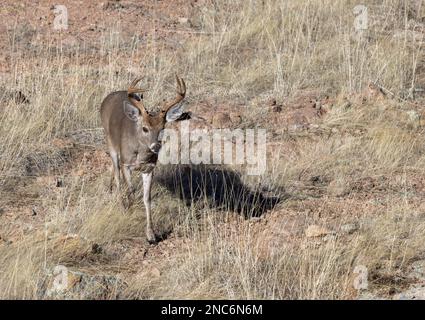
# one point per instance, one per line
(342, 195)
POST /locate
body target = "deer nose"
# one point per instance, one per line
(155, 147)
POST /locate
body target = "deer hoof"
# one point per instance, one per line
(150, 235)
(153, 242)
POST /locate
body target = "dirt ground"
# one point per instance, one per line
(339, 189)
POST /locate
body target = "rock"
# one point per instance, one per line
(414, 118)
(417, 292)
(330, 237)
(349, 228)
(316, 231)
(413, 115)
(366, 295)
(112, 5)
(418, 270)
(64, 283)
(183, 20)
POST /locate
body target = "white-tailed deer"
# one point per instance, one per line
(133, 138)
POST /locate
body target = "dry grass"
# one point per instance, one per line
(242, 56)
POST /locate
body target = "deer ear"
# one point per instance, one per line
(175, 112)
(131, 111)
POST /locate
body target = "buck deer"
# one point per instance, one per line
(133, 138)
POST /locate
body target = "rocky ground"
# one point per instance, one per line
(313, 210)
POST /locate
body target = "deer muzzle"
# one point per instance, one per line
(155, 147)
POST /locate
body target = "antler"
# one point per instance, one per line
(181, 92)
(132, 89)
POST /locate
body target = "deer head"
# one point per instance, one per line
(150, 126)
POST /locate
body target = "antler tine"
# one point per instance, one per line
(134, 82)
(179, 84)
(181, 92)
(132, 89)
(184, 87)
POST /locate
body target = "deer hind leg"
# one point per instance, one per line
(130, 190)
(147, 185)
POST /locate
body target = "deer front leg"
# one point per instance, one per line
(147, 184)
(111, 182)
(130, 190)
(115, 170)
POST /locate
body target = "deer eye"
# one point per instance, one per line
(145, 129)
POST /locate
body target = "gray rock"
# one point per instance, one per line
(63, 283)
(184, 20)
(417, 292)
(418, 270)
(330, 237)
(367, 295)
(413, 115)
(349, 228)
(414, 118)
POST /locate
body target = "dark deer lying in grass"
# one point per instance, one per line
(133, 137)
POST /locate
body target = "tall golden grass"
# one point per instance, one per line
(247, 51)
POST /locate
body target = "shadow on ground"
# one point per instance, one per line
(218, 187)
